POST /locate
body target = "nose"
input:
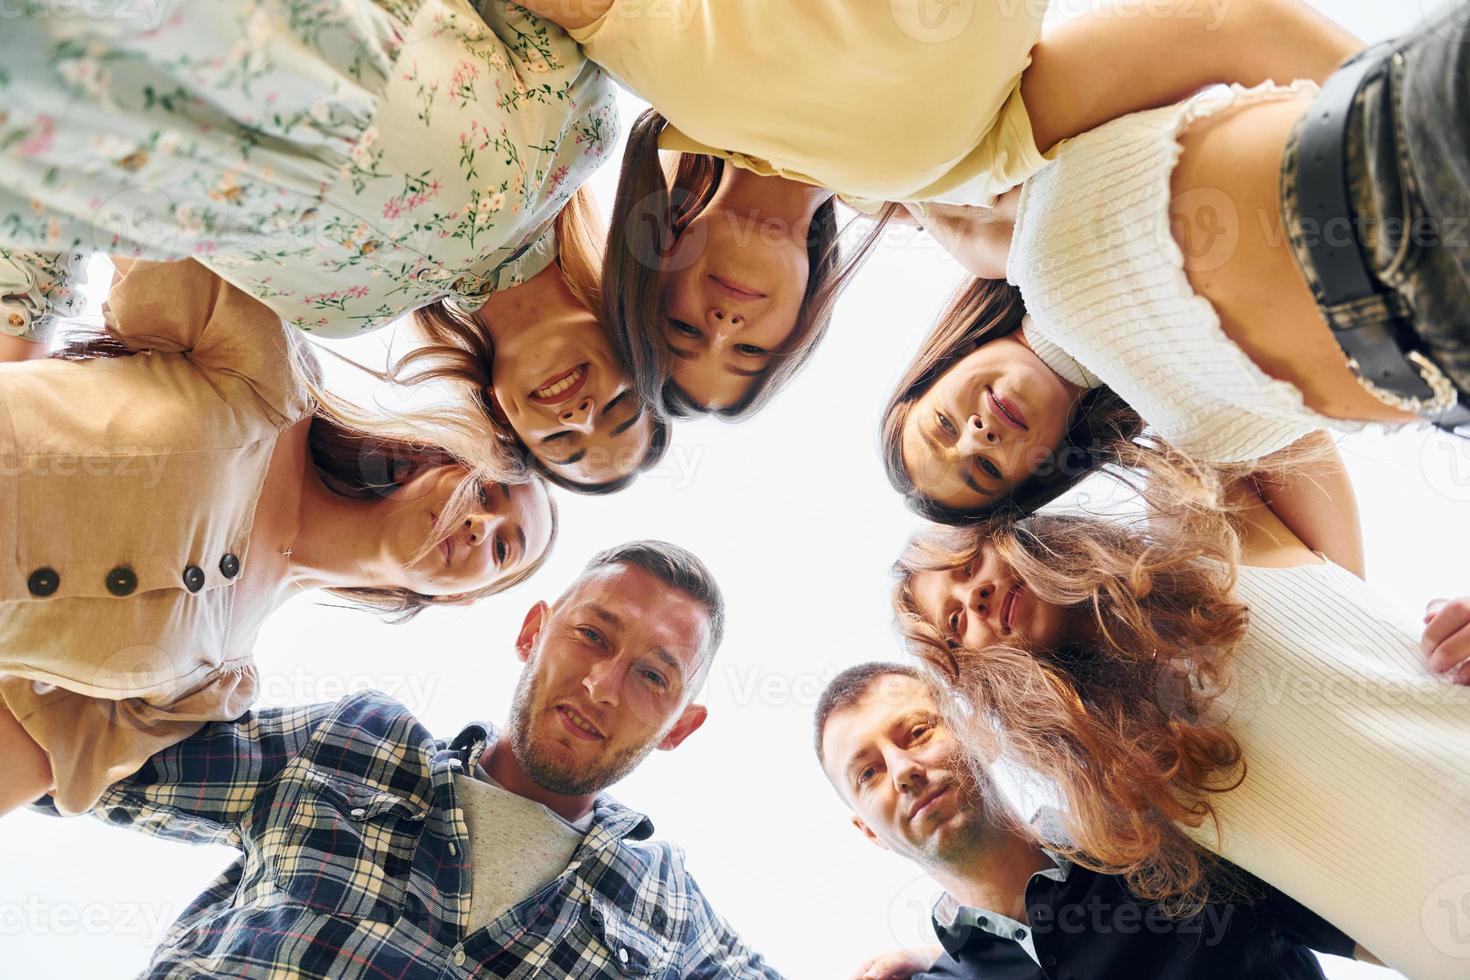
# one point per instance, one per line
(480, 527)
(976, 436)
(907, 774)
(723, 323)
(603, 681)
(579, 416)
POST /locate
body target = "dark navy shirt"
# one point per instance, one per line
(1088, 926)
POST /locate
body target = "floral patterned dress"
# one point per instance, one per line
(343, 161)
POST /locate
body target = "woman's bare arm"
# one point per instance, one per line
(1314, 498)
(1132, 57)
(568, 14)
(20, 349)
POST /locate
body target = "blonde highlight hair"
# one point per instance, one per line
(1123, 725)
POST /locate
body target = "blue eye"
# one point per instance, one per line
(655, 679)
(685, 328)
(589, 634)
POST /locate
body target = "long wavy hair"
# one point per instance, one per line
(652, 209)
(363, 456)
(459, 351)
(1124, 725)
(1105, 435)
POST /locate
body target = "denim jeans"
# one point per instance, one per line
(1408, 168)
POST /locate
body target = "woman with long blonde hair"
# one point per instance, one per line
(171, 484)
(1190, 686)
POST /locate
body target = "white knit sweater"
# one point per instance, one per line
(1103, 279)
(1356, 799)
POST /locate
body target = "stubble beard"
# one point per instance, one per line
(541, 764)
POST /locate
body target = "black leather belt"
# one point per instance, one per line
(1342, 274)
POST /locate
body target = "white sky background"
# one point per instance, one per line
(792, 512)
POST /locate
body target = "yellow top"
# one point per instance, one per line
(879, 100)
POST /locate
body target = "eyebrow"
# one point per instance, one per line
(607, 616)
(632, 419)
(575, 457)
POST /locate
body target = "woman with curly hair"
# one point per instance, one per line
(167, 487)
(1190, 690)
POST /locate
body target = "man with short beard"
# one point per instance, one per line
(1013, 909)
(373, 850)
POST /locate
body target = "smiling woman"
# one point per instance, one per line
(147, 549)
(539, 359)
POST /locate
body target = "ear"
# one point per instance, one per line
(531, 628)
(857, 822)
(687, 725)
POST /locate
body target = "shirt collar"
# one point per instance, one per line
(610, 819)
(953, 922)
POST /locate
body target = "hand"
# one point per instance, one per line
(899, 964)
(1446, 640)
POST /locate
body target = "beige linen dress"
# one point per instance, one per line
(128, 489)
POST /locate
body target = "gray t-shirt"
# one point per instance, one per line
(517, 845)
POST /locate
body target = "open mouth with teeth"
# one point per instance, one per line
(561, 387)
(1008, 608)
(578, 725)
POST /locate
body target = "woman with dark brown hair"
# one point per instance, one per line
(1243, 269)
(1207, 686)
(874, 102)
(173, 483)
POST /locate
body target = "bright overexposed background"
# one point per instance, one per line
(792, 512)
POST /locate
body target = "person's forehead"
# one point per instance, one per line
(928, 588)
(647, 607)
(886, 699)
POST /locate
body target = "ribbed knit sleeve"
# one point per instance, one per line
(1104, 279)
(1356, 798)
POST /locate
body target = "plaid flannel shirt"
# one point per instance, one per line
(355, 863)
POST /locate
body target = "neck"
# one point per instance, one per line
(501, 763)
(784, 206)
(995, 876)
(334, 547)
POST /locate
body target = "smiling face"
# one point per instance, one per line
(897, 765)
(508, 527)
(732, 292)
(566, 396)
(610, 671)
(986, 425)
(983, 602)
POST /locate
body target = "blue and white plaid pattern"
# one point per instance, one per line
(355, 863)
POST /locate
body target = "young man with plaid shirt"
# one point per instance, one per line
(371, 849)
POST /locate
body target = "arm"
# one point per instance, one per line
(35, 289)
(1314, 498)
(199, 790)
(979, 239)
(568, 14)
(1159, 57)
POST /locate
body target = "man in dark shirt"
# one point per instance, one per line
(1012, 908)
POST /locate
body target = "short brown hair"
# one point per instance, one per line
(851, 686)
(675, 566)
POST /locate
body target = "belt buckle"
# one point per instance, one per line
(1443, 395)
